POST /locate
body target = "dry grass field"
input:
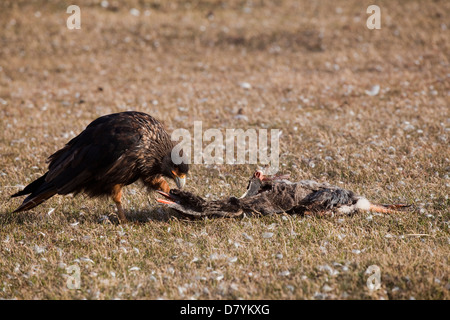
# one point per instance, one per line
(310, 66)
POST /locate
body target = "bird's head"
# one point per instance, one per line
(254, 184)
(260, 182)
(183, 201)
(195, 206)
(177, 172)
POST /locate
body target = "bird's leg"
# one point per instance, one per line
(157, 183)
(389, 209)
(117, 198)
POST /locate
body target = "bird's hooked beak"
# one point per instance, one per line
(180, 179)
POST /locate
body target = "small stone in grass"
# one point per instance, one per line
(267, 235)
(245, 85)
(327, 288)
(373, 91)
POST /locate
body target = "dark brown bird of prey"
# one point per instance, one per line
(273, 195)
(113, 151)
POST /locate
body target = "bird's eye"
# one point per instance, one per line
(180, 175)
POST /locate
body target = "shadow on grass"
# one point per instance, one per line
(144, 216)
(133, 216)
(8, 217)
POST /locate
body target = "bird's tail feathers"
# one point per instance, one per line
(32, 187)
(39, 191)
(35, 200)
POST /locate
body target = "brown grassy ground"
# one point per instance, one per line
(309, 65)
